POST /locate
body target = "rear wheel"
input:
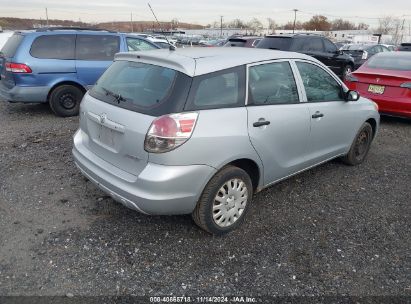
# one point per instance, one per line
(65, 100)
(360, 147)
(224, 201)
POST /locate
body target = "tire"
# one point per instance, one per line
(236, 201)
(65, 100)
(360, 147)
(347, 70)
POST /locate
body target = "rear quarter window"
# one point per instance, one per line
(53, 47)
(11, 46)
(275, 43)
(222, 89)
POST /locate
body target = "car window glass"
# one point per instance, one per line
(329, 46)
(97, 47)
(135, 44)
(53, 47)
(272, 83)
(372, 50)
(218, 90)
(319, 85)
(313, 45)
(11, 46)
(143, 88)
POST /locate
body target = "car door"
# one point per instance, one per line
(278, 123)
(94, 54)
(333, 119)
(332, 57)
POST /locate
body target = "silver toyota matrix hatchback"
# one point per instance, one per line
(201, 130)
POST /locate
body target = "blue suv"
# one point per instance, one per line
(58, 65)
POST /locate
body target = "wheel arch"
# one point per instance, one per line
(373, 124)
(252, 169)
(66, 82)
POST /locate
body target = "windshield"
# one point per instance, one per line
(142, 87)
(387, 61)
(275, 43)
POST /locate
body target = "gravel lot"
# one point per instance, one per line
(331, 230)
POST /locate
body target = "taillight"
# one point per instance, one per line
(17, 67)
(364, 55)
(406, 85)
(169, 132)
(350, 77)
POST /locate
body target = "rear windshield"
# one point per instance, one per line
(10, 48)
(395, 61)
(275, 43)
(144, 88)
(236, 42)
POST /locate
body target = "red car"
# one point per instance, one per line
(386, 79)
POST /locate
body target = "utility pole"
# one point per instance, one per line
(402, 30)
(295, 18)
(47, 18)
(221, 26)
(131, 22)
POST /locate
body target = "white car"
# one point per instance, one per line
(4, 37)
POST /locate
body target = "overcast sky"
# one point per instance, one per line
(206, 11)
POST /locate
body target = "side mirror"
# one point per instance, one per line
(352, 96)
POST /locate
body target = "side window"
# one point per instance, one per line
(319, 85)
(53, 47)
(272, 83)
(314, 45)
(329, 46)
(97, 47)
(222, 89)
(135, 44)
(373, 50)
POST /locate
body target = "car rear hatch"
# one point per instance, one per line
(6, 55)
(387, 83)
(117, 113)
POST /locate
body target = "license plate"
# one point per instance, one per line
(376, 89)
(107, 136)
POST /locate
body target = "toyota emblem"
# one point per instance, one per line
(102, 118)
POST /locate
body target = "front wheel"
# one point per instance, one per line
(224, 201)
(65, 100)
(360, 147)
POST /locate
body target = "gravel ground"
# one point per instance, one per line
(331, 230)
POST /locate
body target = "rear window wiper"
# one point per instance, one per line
(117, 97)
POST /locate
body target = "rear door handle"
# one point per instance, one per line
(317, 115)
(261, 123)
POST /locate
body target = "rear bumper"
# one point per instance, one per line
(24, 94)
(158, 189)
(391, 106)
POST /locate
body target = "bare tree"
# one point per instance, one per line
(386, 25)
(254, 25)
(272, 25)
(237, 23)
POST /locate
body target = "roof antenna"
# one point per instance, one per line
(171, 47)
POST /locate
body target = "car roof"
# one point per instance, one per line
(298, 35)
(200, 61)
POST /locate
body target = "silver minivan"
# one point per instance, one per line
(200, 130)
